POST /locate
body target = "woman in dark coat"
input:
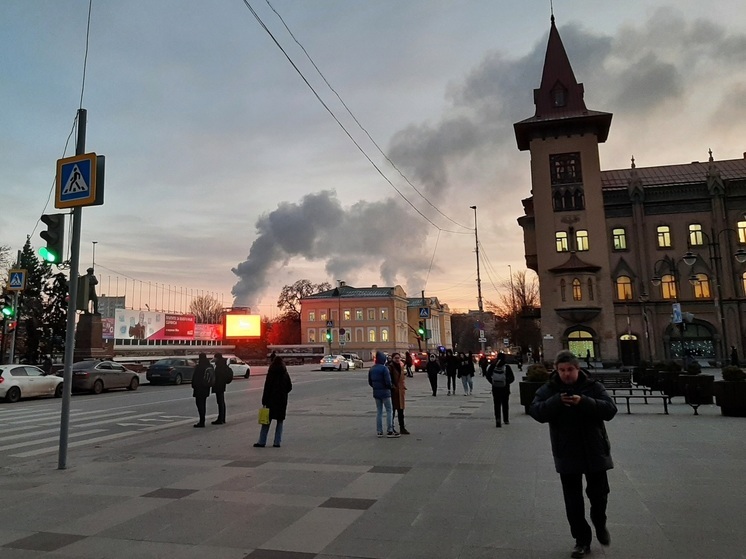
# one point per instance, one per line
(222, 372)
(433, 368)
(277, 385)
(398, 387)
(451, 370)
(200, 389)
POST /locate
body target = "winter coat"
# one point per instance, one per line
(379, 378)
(433, 367)
(465, 367)
(397, 385)
(408, 361)
(578, 435)
(452, 362)
(222, 371)
(199, 388)
(509, 376)
(277, 385)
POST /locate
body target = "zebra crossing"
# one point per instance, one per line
(30, 432)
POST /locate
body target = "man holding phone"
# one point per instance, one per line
(576, 406)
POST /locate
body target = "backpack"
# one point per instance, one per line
(499, 378)
(209, 376)
(228, 375)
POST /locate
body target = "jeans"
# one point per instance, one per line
(597, 489)
(380, 403)
(468, 383)
(264, 431)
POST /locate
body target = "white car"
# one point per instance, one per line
(332, 362)
(354, 360)
(239, 367)
(27, 381)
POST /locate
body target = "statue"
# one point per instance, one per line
(92, 297)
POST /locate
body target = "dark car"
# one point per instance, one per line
(97, 376)
(420, 360)
(173, 370)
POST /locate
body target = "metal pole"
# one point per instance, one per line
(67, 376)
(93, 261)
(716, 259)
(512, 298)
(479, 282)
(16, 317)
(424, 321)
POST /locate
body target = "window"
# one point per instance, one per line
(563, 288)
(346, 314)
(559, 96)
(311, 336)
(590, 289)
(560, 238)
(695, 235)
(311, 316)
(741, 232)
(371, 334)
(664, 236)
(581, 240)
(565, 168)
(371, 314)
(577, 290)
(668, 287)
(619, 238)
(384, 334)
(743, 282)
(322, 316)
(701, 286)
(624, 288)
(358, 314)
(384, 314)
(334, 316)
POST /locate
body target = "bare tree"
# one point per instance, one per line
(206, 309)
(5, 262)
(290, 296)
(516, 308)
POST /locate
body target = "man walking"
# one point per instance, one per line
(500, 376)
(576, 406)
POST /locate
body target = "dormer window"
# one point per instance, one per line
(559, 96)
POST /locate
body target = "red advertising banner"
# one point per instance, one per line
(179, 326)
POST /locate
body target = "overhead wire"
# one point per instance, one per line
(385, 156)
(342, 126)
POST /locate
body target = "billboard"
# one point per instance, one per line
(242, 326)
(150, 325)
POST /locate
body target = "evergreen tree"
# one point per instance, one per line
(55, 316)
(30, 312)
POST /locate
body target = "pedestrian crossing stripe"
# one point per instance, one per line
(76, 183)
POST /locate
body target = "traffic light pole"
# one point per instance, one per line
(72, 307)
(12, 351)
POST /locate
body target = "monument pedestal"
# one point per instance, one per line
(89, 338)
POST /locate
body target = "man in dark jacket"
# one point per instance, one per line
(379, 379)
(576, 406)
(201, 388)
(500, 376)
(222, 374)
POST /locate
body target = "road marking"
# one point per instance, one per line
(76, 444)
(49, 439)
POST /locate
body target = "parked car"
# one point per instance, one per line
(420, 360)
(332, 362)
(239, 367)
(354, 360)
(27, 381)
(173, 370)
(97, 376)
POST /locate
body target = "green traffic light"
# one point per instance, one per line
(48, 256)
(7, 311)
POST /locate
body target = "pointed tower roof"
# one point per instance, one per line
(560, 107)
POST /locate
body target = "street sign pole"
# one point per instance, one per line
(72, 305)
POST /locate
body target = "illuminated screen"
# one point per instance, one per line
(243, 326)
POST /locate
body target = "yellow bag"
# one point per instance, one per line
(263, 416)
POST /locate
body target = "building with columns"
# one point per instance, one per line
(636, 263)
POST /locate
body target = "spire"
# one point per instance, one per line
(634, 186)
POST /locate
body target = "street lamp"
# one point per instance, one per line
(93, 261)
(479, 284)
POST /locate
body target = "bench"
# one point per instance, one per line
(644, 393)
(622, 379)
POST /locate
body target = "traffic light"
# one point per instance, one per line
(421, 329)
(6, 306)
(54, 236)
(328, 335)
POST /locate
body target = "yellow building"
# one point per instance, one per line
(637, 263)
(365, 319)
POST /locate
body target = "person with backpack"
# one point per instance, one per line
(223, 376)
(277, 386)
(203, 378)
(500, 376)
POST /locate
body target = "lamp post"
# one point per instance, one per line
(479, 284)
(93, 260)
(713, 251)
(657, 279)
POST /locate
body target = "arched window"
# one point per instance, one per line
(743, 282)
(580, 342)
(701, 286)
(567, 200)
(577, 290)
(579, 199)
(557, 199)
(590, 289)
(668, 287)
(563, 288)
(624, 288)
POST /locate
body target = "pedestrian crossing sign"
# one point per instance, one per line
(16, 280)
(78, 181)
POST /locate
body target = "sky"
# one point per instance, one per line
(354, 149)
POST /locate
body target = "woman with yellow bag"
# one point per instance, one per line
(277, 385)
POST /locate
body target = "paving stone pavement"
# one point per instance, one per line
(457, 487)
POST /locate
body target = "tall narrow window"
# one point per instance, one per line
(590, 289)
(619, 238)
(384, 334)
(577, 290)
(311, 316)
(561, 240)
(311, 336)
(371, 334)
(741, 232)
(322, 316)
(664, 236)
(563, 288)
(581, 240)
(624, 288)
(701, 286)
(346, 314)
(695, 235)
(668, 287)
(358, 314)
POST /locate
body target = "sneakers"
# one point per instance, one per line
(580, 551)
(449, 392)
(403, 431)
(392, 435)
(379, 434)
(276, 445)
(603, 536)
(258, 445)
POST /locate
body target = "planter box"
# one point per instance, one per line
(668, 383)
(731, 397)
(697, 389)
(527, 392)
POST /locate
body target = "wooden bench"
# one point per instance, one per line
(638, 393)
(622, 379)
